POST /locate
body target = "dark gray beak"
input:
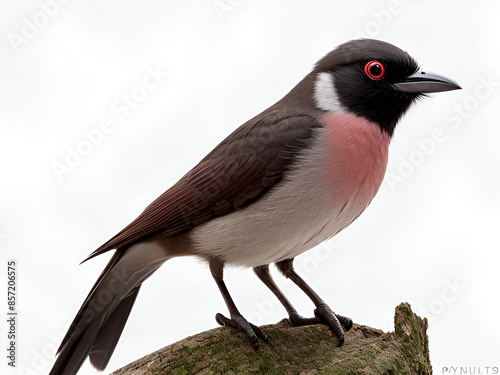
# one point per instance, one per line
(425, 81)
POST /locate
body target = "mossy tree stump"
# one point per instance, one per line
(297, 350)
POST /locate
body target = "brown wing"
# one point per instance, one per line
(236, 173)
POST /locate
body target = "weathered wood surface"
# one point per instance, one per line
(297, 350)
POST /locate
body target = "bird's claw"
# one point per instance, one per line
(323, 315)
(239, 322)
(324, 310)
(334, 321)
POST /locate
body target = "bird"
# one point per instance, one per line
(288, 179)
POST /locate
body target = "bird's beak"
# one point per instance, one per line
(425, 81)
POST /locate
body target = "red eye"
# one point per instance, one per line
(375, 69)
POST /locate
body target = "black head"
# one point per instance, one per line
(374, 79)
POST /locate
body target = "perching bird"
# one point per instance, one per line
(283, 182)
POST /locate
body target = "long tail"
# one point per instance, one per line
(99, 323)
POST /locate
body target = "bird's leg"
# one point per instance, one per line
(322, 311)
(237, 320)
(293, 316)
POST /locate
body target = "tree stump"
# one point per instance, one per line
(297, 350)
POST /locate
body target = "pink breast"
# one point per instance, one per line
(357, 152)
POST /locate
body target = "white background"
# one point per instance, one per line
(430, 237)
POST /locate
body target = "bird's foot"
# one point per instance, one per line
(297, 320)
(323, 315)
(239, 322)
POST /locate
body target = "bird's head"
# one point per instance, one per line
(373, 79)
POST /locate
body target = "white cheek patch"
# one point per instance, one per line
(325, 95)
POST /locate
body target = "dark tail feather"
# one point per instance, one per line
(71, 358)
(100, 321)
(83, 309)
(110, 332)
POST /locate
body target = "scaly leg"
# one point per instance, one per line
(322, 314)
(293, 316)
(237, 320)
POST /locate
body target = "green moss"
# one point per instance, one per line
(217, 348)
(394, 365)
(414, 344)
(215, 369)
(266, 363)
(305, 350)
(185, 368)
(368, 353)
(382, 345)
(313, 333)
